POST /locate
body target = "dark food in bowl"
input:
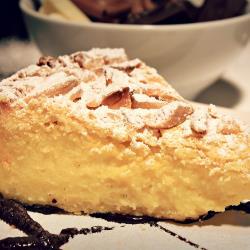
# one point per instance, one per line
(160, 11)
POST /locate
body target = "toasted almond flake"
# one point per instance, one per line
(116, 77)
(56, 84)
(146, 102)
(82, 75)
(94, 101)
(117, 99)
(186, 128)
(32, 70)
(110, 56)
(65, 61)
(75, 93)
(168, 116)
(97, 58)
(47, 60)
(161, 93)
(199, 120)
(213, 112)
(79, 58)
(128, 66)
(228, 126)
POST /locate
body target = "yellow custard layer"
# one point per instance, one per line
(49, 157)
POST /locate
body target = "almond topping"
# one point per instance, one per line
(120, 98)
(75, 94)
(128, 66)
(199, 121)
(56, 84)
(47, 60)
(229, 126)
(146, 102)
(78, 58)
(212, 110)
(168, 116)
(94, 103)
(161, 94)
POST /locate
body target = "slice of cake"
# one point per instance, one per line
(96, 132)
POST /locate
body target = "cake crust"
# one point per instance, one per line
(100, 133)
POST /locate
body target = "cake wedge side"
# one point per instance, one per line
(96, 132)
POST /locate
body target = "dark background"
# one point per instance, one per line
(12, 24)
(11, 21)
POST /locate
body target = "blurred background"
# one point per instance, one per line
(232, 90)
(11, 21)
(16, 50)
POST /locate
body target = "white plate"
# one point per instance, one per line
(228, 230)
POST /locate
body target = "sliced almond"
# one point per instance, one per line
(108, 77)
(127, 66)
(47, 60)
(79, 59)
(229, 126)
(146, 102)
(56, 84)
(116, 77)
(75, 94)
(168, 116)
(212, 110)
(120, 98)
(199, 120)
(161, 94)
(99, 71)
(59, 90)
(65, 61)
(93, 104)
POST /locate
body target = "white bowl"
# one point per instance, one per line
(190, 56)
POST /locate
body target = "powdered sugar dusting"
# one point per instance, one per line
(144, 98)
(128, 65)
(110, 55)
(199, 120)
(169, 115)
(119, 96)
